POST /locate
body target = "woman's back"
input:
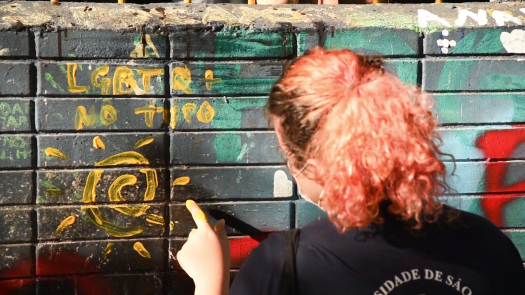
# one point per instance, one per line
(465, 255)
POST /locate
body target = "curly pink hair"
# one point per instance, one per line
(373, 137)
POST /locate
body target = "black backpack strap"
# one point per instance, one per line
(291, 243)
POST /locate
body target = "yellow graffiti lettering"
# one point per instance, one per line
(184, 180)
(141, 250)
(206, 113)
(98, 143)
(83, 118)
(135, 211)
(146, 77)
(149, 112)
(123, 76)
(72, 79)
(105, 83)
(129, 157)
(93, 214)
(89, 194)
(144, 141)
(188, 110)
(108, 115)
(174, 111)
(65, 223)
(166, 116)
(52, 152)
(181, 79)
(172, 225)
(210, 80)
(155, 219)
(152, 183)
(114, 191)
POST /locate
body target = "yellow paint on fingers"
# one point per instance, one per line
(65, 223)
(53, 152)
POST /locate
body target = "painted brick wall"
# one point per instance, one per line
(111, 116)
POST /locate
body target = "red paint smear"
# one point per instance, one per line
(10, 286)
(240, 249)
(499, 144)
(62, 263)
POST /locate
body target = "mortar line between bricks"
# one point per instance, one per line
(89, 274)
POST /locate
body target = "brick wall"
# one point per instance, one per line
(111, 116)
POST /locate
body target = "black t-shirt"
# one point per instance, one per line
(468, 255)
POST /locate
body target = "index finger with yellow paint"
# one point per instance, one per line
(198, 215)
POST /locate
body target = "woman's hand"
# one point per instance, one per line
(206, 255)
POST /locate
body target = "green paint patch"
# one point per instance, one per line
(406, 70)
(249, 43)
(479, 41)
(49, 78)
(501, 82)
(454, 74)
(229, 114)
(374, 41)
(518, 239)
(47, 184)
(227, 146)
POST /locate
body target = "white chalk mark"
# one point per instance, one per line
(282, 187)
(424, 16)
(480, 18)
(501, 18)
(514, 42)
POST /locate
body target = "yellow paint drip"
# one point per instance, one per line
(135, 210)
(93, 178)
(144, 141)
(184, 180)
(172, 225)
(129, 157)
(98, 143)
(107, 250)
(114, 191)
(155, 219)
(174, 115)
(152, 183)
(141, 250)
(95, 217)
(54, 192)
(65, 223)
(55, 153)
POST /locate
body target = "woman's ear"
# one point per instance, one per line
(312, 168)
